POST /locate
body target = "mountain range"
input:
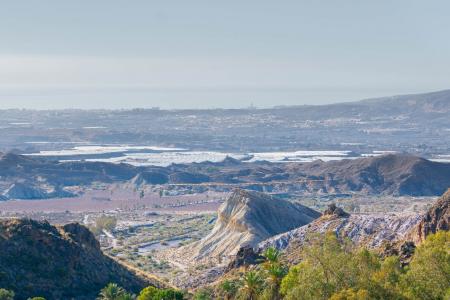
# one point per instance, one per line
(24, 177)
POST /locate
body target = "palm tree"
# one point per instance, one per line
(127, 296)
(275, 274)
(111, 292)
(271, 255)
(251, 285)
(275, 271)
(228, 289)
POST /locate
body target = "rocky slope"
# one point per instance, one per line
(38, 259)
(244, 219)
(247, 218)
(370, 231)
(437, 218)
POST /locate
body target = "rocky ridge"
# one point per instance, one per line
(63, 262)
(437, 218)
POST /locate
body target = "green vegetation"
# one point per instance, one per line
(329, 269)
(428, 276)
(104, 222)
(114, 292)
(9, 295)
(333, 269)
(6, 294)
(228, 289)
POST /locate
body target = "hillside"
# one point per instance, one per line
(244, 219)
(370, 231)
(64, 262)
(437, 218)
(387, 174)
(247, 218)
(23, 177)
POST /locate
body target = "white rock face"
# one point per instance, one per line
(372, 230)
(247, 218)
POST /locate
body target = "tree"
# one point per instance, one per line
(148, 293)
(152, 293)
(428, 276)
(275, 271)
(113, 292)
(336, 268)
(203, 294)
(251, 286)
(228, 289)
(350, 294)
(325, 269)
(271, 255)
(6, 294)
(103, 222)
(169, 294)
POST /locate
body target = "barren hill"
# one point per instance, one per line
(247, 218)
(397, 174)
(38, 259)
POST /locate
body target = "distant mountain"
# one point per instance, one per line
(245, 219)
(415, 123)
(64, 262)
(23, 177)
(387, 174)
(434, 102)
(418, 106)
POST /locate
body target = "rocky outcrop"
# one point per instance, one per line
(247, 218)
(27, 191)
(391, 234)
(150, 177)
(244, 257)
(333, 210)
(38, 259)
(435, 219)
(370, 231)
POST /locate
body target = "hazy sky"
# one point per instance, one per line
(122, 54)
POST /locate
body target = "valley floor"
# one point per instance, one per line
(152, 225)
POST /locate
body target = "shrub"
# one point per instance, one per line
(6, 294)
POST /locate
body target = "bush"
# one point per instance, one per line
(114, 292)
(333, 269)
(6, 294)
(428, 276)
(152, 293)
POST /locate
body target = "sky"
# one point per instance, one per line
(210, 54)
